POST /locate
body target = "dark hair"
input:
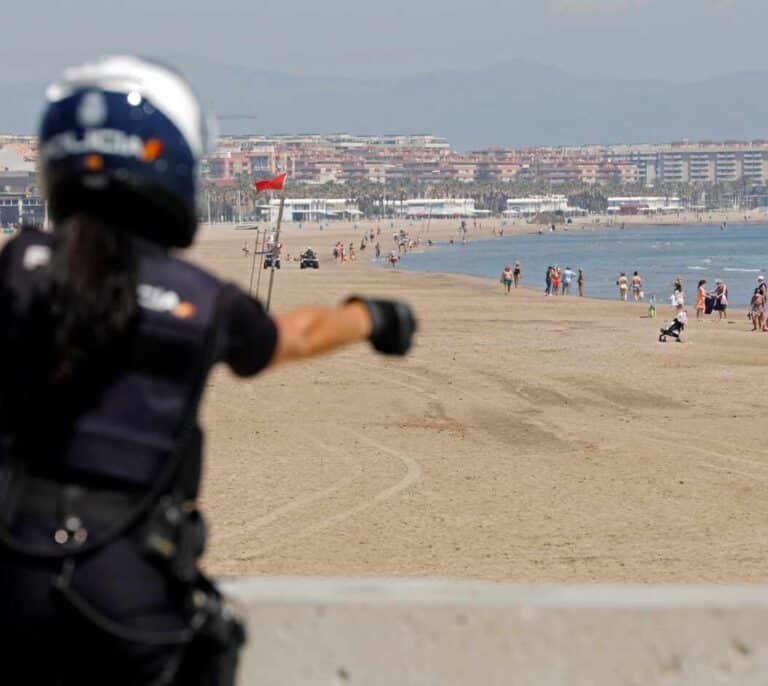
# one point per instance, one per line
(701, 283)
(66, 332)
(92, 294)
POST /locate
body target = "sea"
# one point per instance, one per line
(737, 254)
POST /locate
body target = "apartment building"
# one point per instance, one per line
(704, 162)
(342, 158)
(230, 163)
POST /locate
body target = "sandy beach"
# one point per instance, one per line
(525, 439)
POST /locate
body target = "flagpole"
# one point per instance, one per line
(275, 250)
(253, 262)
(261, 261)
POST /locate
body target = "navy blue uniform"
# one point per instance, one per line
(78, 464)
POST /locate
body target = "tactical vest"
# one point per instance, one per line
(141, 438)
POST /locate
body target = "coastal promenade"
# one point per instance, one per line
(412, 632)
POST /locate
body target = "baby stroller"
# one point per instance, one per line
(674, 328)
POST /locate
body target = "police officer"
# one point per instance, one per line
(106, 340)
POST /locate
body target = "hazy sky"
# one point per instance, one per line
(673, 39)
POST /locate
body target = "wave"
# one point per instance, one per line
(739, 269)
(697, 268)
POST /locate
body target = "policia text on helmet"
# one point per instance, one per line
(107, 341)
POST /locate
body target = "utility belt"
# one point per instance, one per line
(171, 535)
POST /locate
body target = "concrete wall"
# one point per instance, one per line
(337, 632)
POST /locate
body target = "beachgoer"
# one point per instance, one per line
(623, 285)
(548, 281)
(580, 282)
(721, 299)
(763, 288)
(701, 298)
(517, 273)
(637, 287)
(757, 310)
(506, 278)
(246, 249)
(567, 277)
(108, 340)
(393, 258)
(555, 280)
(378, 250)
(677, 298)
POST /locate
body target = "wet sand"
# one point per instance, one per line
(525, 439)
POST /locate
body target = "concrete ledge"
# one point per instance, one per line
(371, 632)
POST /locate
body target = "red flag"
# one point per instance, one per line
(275, 184)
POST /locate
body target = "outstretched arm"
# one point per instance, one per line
(311, 331)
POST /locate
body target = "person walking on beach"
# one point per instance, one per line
(701, 298)
(580, 282)
(378, 250)
(555, 280)
(757, 308)
(637, 287)
(506, 278)
(623, 285)
(567, 277)
(517, 272)
(762, 288)
(721, 299)
(246, 249)
(548, 281)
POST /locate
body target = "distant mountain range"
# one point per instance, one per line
(516, 103)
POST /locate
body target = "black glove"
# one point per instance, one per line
(392, 325)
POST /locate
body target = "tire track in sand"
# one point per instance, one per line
(295, 504)
(721, 458)
(412, 475)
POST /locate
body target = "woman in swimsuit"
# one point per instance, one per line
(637, 287)
(701, 298)
(516, 274)
(621, 282)
(757, 310)
(762, 288)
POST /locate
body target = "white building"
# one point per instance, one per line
(438, 208)
(639, 205)
(538, 204)
(311, 209)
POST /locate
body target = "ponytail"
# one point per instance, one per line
(91, 295)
